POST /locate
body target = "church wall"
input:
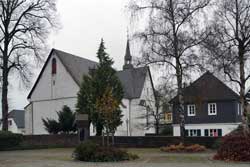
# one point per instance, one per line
(50, 86)
(48, 109)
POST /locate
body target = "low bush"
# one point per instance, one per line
(182, 148)
(91, 152)
(167, 130)
(9, 140)
(234, 147)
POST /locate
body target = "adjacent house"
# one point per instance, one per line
(16, 121)
(248, 94)
(58, 84)
(211, 108)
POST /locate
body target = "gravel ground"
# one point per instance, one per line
(148, 158)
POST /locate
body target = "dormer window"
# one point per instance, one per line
(54, 66)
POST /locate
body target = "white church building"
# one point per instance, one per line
(59, 82)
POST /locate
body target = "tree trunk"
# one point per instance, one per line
(113, 138)
(107, 138)
(5, 101)
(242, 92)
(99, 129)
(181, 108)
(5, 72)
(102, 138)
(180, 101)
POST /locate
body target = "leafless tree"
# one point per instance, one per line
(24, 28)
(229, 44)
(170, 37)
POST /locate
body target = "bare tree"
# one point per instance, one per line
(229, 44)
(170, 37)
(24, 28)
(154, 114)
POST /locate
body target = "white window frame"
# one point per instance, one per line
(211, 132)
(215, 109)
(192, 132)
(191, 113)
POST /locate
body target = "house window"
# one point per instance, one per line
(168, 117)
(191, 110)
(213, 132)
(193, 132)
(212, 109)
(53, 66)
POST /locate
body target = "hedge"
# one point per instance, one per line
(9, 140)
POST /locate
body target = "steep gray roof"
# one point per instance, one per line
(207, 88)
(18, 116)
(131, 79)
(76, 66)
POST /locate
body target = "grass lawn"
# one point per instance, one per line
(148, 157)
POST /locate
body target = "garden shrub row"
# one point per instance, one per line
(9, 140)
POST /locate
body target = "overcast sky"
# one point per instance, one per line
(84, 23)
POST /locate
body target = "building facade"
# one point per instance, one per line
(16, 122)
(211, 108)
(59, 82)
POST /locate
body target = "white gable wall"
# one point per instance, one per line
(64, 86)
(48, 98)
(13, 127)
(134, 119)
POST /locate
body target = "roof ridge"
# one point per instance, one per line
(70, 54)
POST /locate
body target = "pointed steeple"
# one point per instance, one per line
(127, 58)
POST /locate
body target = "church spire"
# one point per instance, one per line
(127, 58)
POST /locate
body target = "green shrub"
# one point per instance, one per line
(91, 152)
(9, 140)
(167, 130)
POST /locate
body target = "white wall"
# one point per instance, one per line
(13, 127)
(226, 128)
(48, 109)
(64, 86)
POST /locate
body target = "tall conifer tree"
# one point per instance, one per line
(94, 86)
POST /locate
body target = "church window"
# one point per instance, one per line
(53, 66)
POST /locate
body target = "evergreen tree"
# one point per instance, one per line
(94, 86)
(65, 123)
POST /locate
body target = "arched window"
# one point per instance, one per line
(53, 66)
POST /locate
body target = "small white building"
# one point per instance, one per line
(59, 82)
(16, 121)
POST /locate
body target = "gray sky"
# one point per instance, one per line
(84, 23)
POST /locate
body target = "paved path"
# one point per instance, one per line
(149, 158)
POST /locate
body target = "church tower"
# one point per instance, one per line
(127, 58)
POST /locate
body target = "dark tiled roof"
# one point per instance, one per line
(76, 66)
(208, 88)
(131, 79)
(18, 116)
